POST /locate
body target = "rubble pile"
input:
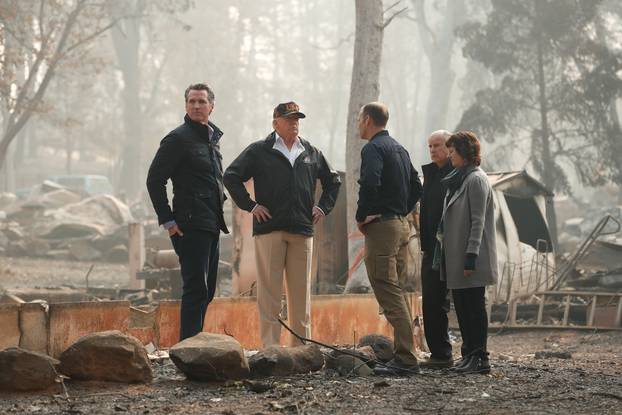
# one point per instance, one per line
(56, 223)
(596, 264)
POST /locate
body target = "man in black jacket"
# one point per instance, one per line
(434, 291)
(389, 190)
(284, 169)
(190, 156)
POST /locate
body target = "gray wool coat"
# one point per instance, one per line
(469, 227)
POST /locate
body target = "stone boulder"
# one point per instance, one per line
(285, 361)
(347, 365)
(365, 354)
(343, 361)
(382, 346)
(24, 370)
(210, 357)
(108, 356)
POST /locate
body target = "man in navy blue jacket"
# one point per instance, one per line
(389, 191)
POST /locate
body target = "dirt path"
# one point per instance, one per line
(588, 383)
(38, 272)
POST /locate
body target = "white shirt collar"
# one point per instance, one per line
(279, 140)
(291, 154)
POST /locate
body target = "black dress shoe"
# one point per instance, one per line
(436, 363)
(395, 367)
(461, 363)
(476, 364)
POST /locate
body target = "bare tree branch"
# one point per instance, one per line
(15, 125)
(32, 74)
(346, 39)
(15, 36)
(91, 36)
(426, 34)
(388, 21)
(40, 22)
(391, 7)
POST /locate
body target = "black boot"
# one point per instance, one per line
(461, 363)
(437, 363)
(476, 364)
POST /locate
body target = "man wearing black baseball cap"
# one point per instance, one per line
(284, 168)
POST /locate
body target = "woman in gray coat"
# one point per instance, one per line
(466, 251)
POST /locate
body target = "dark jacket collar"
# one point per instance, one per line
(202, 129)
(432, 168)
(378, 134)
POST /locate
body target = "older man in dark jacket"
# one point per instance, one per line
(285, 169)
(434, 291)
(190, 156)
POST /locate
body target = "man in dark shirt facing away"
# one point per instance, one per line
(389, 190)
(190, 157)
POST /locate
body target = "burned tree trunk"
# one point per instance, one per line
(126, 41)
(364, 88)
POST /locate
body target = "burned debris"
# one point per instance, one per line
(54, 222)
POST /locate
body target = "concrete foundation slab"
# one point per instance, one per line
(34, 324)
(70, 321)
(9, 325)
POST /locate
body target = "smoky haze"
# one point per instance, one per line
(117, 87)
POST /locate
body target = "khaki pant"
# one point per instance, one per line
(386, 253)
(276, 252)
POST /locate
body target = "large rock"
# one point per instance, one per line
(365, 354)
(284, 361)
(24, 370)
(382, 346)
(347, 365)
(109, 356)
(343, 361)
(210, 357)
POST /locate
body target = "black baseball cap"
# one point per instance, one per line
(287, 109)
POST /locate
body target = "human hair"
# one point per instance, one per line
(378, 112)
(444, 134)
(200, 87)
(466, 144)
